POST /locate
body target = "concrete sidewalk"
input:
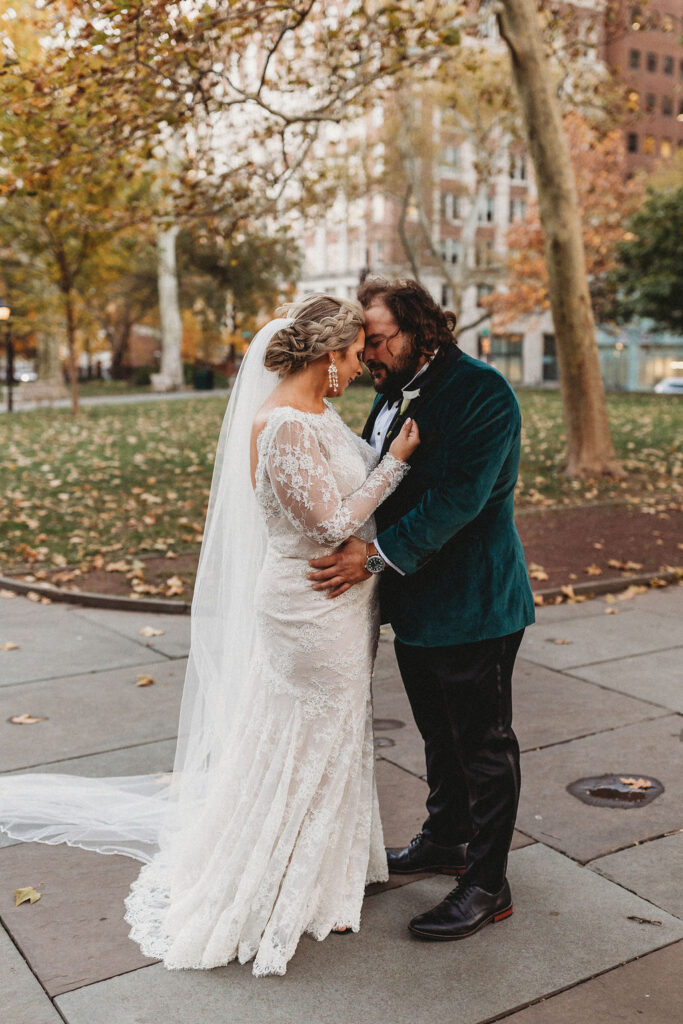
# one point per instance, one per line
(598, 925)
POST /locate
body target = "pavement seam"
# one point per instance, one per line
(20, 951)
(606, 661)
(95, 753)
(126, 636)
(93, 672)
(599, 732)
(623, 693)
(576, 984)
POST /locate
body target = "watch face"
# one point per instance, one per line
(375, 563)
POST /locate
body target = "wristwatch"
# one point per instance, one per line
(374, 563)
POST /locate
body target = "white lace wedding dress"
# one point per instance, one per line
(289, 833)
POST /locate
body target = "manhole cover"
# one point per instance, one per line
(616, 790)
(384, 741)
(384, 724)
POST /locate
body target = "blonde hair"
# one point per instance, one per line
(321, 324)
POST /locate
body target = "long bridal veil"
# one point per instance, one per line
(143, 816)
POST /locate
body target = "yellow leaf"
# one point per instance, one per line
(568, 592)
(27, 894)
(593, 570)
(9, 646)
(26, 719)
(560, 640)
(636, 783)
(630, 592)
(611, 611)
(7, 593)
(538, 599)
(144, 681)
(151, 631)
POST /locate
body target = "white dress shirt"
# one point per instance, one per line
(382, 423)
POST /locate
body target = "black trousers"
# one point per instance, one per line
(461, 701)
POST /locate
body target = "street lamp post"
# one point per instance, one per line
(5, 314)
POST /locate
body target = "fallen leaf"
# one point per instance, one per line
(144, 681)
(630, 592)
(593, 570)
(616, 563)
(538, 599)
(559, 640)
(636, 783)
(26, 719)
(642, 920)
(611, 611)
(611, 599)
(32, 596)
(151, 631)
(568, 592)
(27, 894)
(7, 593)
(9, 646)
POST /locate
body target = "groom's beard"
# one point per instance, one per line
(392, 380)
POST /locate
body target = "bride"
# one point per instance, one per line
(268, 826)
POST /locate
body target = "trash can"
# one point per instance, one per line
(203, 380)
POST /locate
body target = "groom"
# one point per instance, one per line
(454, 586)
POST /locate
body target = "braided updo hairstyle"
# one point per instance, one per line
(321, 324)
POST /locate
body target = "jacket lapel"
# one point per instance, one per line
(374, 413)
(427, 382)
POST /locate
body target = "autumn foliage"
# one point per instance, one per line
(606, 197)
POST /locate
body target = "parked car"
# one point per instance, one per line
(670, 386)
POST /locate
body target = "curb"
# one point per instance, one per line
(146, 604)
(91, 600)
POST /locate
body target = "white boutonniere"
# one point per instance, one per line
(408, 397)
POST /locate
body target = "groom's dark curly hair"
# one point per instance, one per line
(417, 314)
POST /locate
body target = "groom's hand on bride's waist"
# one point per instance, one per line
(338, 572)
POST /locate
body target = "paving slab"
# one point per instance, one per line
(593, 608)
(551, 815)
(618, 637)
(142, 759)
(22, 1000)
(75, 934)
(664, 601)
(656, 677)
(551, 707)
(649, 989)
(569, 923)
(89, 714)
(174, 641)
(53, 643)
(652, 870)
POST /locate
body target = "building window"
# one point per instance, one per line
(665, 148)
(680, 111)
(649, 144)
(486, 211)
(668, 66)
(634, 59)
(550, 371)
(451, 156)
(652, 62)
(445, 296)
(667, 106)
(632, 142)
(450, 206)
(450, 250)
(482, 291)
(483, 254)
(504, 351)
(517, 209)
(378, 209)
(518, 166)
(650, 102)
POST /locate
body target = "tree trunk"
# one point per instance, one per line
(49, 366)
(589, 447)
(71, 343)
(170, 376)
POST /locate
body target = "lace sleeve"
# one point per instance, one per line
(306, 489)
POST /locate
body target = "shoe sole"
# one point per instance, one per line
(500, 916)
(433, 869)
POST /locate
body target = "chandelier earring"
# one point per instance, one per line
(333, 377)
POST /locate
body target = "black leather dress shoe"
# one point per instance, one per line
(424, 855)
(464, 911)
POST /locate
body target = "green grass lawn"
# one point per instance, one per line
(134, 479)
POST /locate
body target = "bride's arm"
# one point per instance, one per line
(304, 485)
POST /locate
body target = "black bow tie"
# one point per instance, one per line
(394, 396)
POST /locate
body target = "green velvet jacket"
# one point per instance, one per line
(449, 525)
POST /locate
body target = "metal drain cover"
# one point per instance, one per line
(625, 791)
